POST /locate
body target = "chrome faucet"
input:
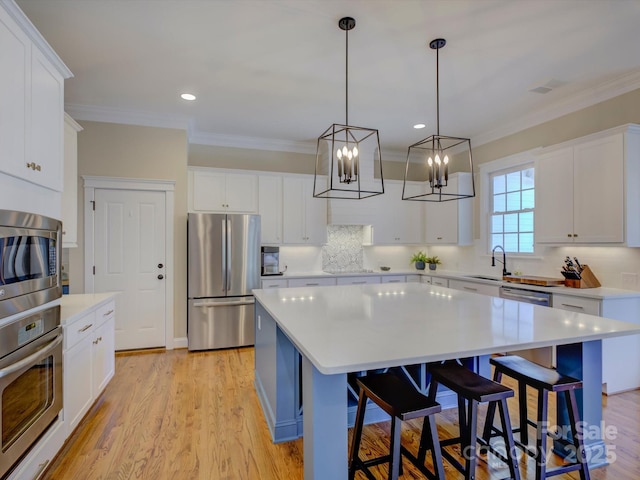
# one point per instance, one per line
(504, 260)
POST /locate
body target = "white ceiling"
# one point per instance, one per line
(270, 73)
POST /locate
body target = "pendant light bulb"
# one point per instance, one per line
(345, 151)
(355, 151)
(437, 159)
(446, 160)
(349, 154)
(430, 162)
(339, 154)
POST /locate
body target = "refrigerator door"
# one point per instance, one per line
(207, 263)
(243, 254)
(220, 323)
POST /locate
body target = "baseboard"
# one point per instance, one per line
(180, 342)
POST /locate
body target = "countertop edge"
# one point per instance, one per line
(75, 306)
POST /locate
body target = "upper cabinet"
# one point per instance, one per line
(394, 221)
(70, 192)
(270, 208)
(304, 217)
(586, 190)
(216, 191)
(450, 222)
(32, 99)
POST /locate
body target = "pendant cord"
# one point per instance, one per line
(346, 83)
(437, 92)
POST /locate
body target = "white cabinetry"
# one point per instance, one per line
(475, 287)
(70, 192)
(31, 117)
(586, 190)
(304, 217)
(274, 283)
(215, 191)
(89, 361)
(396, 221)
(450, 222)
(312, 282)
(620, 355)
(364, 280)
(441, 282)
(270, 208)
(396, 278)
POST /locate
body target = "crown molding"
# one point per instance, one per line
(583, 99)
(256, 143)
(94, 113)
(34, 35)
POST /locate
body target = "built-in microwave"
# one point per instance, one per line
(30, 261)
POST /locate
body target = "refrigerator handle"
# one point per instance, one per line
(223, 263)
(228, 244)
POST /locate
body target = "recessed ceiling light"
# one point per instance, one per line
(188, 96)
(418, 126)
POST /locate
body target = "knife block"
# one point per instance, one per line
(588, 279)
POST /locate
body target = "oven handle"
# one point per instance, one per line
(15, 367)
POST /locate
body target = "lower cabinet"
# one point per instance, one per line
(475, 287)
(89, 361)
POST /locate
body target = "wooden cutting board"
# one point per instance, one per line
(533, 280)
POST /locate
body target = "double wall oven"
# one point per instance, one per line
(30, 332)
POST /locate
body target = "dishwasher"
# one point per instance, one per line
(545, 356)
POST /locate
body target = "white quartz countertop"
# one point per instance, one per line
(76, 305)
(600, 293)
(362, 327)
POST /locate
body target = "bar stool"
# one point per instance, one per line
(401, 401)
(472, 389)
(543, 380)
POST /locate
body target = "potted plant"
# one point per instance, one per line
(419, 259)
(432, 261)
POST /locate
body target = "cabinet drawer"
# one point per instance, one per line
(358, 280)
(276, 283)
(394, 279)
(311, 282)
(105, 312)
(576, 304)
(79, 329)
(441, 282)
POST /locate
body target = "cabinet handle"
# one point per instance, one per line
(569, 235)
(438, 238)
(573, 306)
(358, 283)
(575, 234)
(312, 284)
(38, 168)
(472, 289)
(85, 328)
(106, 314)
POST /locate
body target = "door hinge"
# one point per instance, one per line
(93, 205)
(94, 269)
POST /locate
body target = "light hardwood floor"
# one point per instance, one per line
(179, 415)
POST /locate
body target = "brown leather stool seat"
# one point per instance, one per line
(543, 380)
(473, 389)
(400, 400)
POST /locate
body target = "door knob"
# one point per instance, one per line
(160, 277)
(160, 265)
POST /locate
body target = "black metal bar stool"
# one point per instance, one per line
(401, 401)
(472, 389)
(543, 380)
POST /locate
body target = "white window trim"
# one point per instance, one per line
(485, 170)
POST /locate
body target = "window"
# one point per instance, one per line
(511, 209)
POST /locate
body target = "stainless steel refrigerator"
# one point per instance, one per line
(223, 267)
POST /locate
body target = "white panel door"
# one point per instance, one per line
(130, 258)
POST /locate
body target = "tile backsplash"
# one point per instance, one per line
(343, 251)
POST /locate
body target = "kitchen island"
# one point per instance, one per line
(356, 328)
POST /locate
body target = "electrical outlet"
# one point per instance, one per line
(629, 280)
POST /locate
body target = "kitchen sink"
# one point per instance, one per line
(484, 277)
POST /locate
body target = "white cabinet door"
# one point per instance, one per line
(46, 133)
(473, 287)
(304, 217)
(77, 382)
(274, 283)
(70, 192)
(14, 58)
(213, 191)
(576, 304)
(598, 193)
(103, 356)
(441, 282)
(450, 222)
(396, 221)
(554, 197)
(312, 282)
(270, 208)
(396, 278)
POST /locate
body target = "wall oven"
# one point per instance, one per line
(30, 261)
(30, 382)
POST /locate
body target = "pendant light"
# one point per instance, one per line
(437, 159)
(348, 162)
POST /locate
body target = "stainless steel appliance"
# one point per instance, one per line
(30, 261)
(270, 261)
(545, 356)
(223, 267)
(30, 382)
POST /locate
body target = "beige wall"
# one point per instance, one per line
(115, 150)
